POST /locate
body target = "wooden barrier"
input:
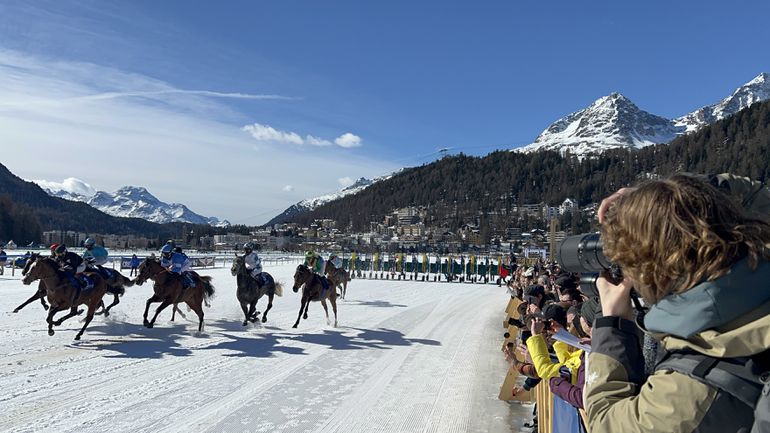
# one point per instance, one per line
(544, 402)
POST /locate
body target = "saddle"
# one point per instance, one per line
(81, 282)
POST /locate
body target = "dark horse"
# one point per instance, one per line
(338, 277)
(61, 292)
(249, 292)
(313, 290)
(168, 290)
(116, 285)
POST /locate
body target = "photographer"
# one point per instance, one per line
(701, 263)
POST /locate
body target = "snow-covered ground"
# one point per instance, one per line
(407, 357)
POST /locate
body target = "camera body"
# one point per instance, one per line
(584, 253)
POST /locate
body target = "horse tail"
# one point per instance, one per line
(125, 281)
(208, 288)
(116, 290)
(278, 289)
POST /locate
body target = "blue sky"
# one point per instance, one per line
(392, 81)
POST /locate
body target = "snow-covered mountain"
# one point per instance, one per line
(128, 201)
(610, 122)
(310, 204)
(756, 90)
(614, 121)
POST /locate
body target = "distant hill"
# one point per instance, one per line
(52, 213)
(461, 189)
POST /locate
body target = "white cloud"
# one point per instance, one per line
(71, 184)
(348, 140)
(47, 128)
(345, 181)
(315, 141)
(288, 188)
(270, 134)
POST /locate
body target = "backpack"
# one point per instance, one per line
(742, 378)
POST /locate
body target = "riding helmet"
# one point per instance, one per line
(248, 246)
(89, 243)
(60, 249)
(167, 249)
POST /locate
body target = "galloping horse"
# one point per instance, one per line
(168, 289)
(249, 292)
(313, 290)
(116, 285)
(41, 288)
(338, 277)
(61, 292)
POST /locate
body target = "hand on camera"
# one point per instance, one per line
(605, 204)
(615, 299)
(537, 326)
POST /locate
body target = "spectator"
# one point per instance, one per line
(134, 263)
(3, 259)
(702, 265)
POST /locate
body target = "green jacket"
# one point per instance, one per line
(728, 318)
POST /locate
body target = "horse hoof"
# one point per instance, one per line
(77, 338)
(245, 322)
(294, 326)
(57, 323)
(45, 307)
(16, 310)
(305, 317)
(146, 323)
(106, 314)
(264, 319)
(150, 325)
(50, 332)
(80, 312)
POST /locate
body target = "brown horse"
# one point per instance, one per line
(116, 285)
(313, 290)
(338, 277)
(168, 290)
(61, 292)
(41, 287)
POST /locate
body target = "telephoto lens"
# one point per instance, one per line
(584, 254)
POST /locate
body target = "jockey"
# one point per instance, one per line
(177, 262)
(315, 262)
(73, 266)
(95, 256)
(336, 261)
(253, 262)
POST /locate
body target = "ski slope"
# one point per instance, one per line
(407, 357)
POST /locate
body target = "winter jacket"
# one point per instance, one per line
(97, 255)
(546, 369)
(563, 387)
(725, 318)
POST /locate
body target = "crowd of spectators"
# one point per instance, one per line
(691, 354)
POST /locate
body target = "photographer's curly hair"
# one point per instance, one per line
(669, 235)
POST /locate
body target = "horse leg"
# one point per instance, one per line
(89, 317)
(246, 313)
(49, 319)
(326, 310)
(115, 302)
(173, 311)
(253, 311)
(42, 293)
(162, 306)
(33, 298)
(198, 308)
(301, 308)
(344, 289)
(101, 305)
(333, 300)
(73, 312)
(153, 298)
(269, 306)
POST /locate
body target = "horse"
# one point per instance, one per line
(337, 276)
(312, 290)
(168, 290)
(41, 288)
(249, 291)
(116, 285)
(61, 292)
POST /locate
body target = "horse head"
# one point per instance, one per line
(301, 275)
(39, 269)
(238, 265)
(147, 270)
(28, 264)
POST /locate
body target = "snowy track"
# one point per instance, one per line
(407, 357)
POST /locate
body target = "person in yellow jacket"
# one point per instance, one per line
(555, 316)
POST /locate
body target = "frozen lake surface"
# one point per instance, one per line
(406, 357)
